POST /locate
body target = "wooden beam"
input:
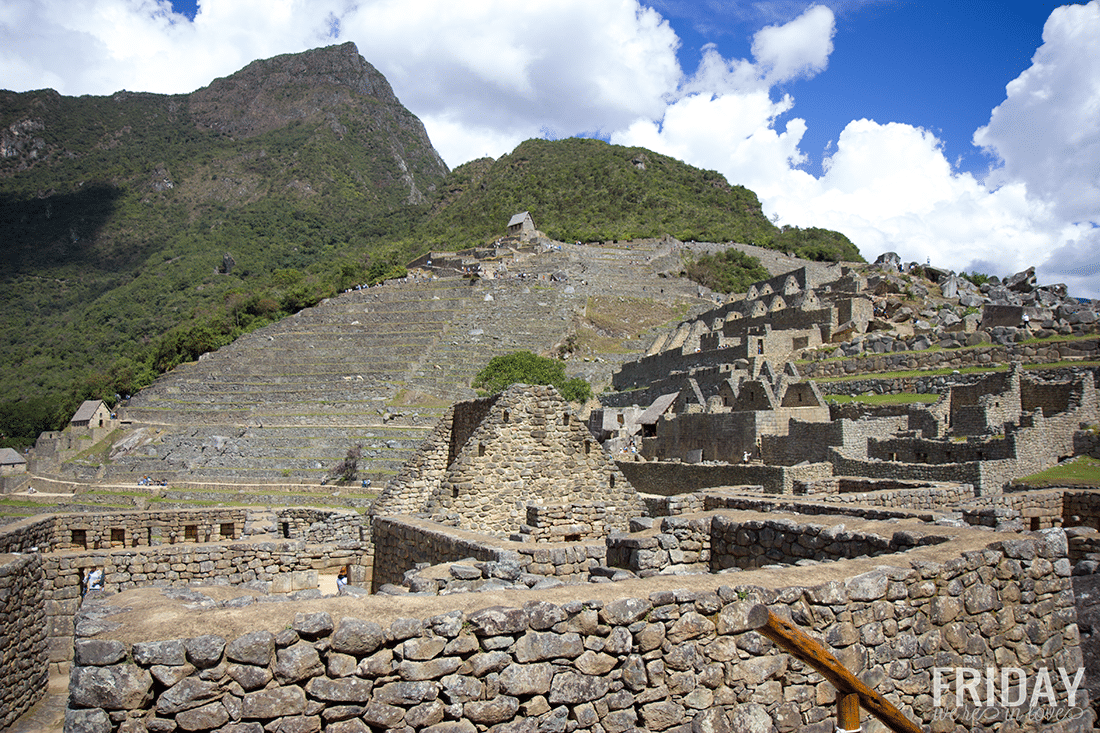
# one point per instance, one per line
(800, 645)
(847, 712)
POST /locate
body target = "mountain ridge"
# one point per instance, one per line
(146, 230)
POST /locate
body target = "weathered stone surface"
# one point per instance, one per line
(662, 715)
(253, 648)
(378, 664)
(595, 664)
(189, 693)
(483, 664)
(527, 679)
(87, 721)
(406, 693)
(348, 689)
(205, 717)
(498, 620)
(116, 687)
(248, 676)
(868, 587)
(312, 625)
(690, 626)
(423, 648)
(425, 714)
(458, 689)
(354, 725)
(488, 712)
(742, 616)
(713, 720)
(625, 611)
(621, 721)
(980, 598)
(572, 688)
(451, 726)
(382, 715)
(171, 652)
(297, 663)
(537, 646)
(205, 651)
(358, 637)
(430, 670)
(98, 652)
(295, 724)
(542, 615)
(751, 718)
(169, 676)
(274, 703)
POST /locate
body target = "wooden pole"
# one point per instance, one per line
(847, 712)
(807, 649)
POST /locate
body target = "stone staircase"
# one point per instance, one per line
(373, 367)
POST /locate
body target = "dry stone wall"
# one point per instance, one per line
(669, 661)
(670, 478)
(403, 543)
(24, 672)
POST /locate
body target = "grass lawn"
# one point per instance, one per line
(1081, 471)
(882, 399)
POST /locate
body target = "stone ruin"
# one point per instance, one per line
(545, 586)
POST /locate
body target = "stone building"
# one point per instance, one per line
(521, 223)
(489, 460)
(91, 414)
(11, 462)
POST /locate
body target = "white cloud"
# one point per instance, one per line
(889, 186)
(1047, 132)
(798, 48)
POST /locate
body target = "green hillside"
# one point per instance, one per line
(141, 230)
(587, 190)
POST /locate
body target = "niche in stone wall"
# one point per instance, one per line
(118, 537)
(191, 533)
(480, 450)
(506, 416)
(226, 530)
(79, 538)
(565, 419)
(611, 482)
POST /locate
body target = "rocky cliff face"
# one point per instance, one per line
(333, 85)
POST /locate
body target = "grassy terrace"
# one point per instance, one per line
(915, 373)
(1081, 471)
(884, 399)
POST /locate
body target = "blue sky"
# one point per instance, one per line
(961, 133)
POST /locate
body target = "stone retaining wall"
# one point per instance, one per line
(714, 543)
(565, 522)
(670, 478)
(938, 498)
(908, 360)
(275, 567)
(321, 525)
(24, 667)
(401, 543)
(103, 530)
(671, 661)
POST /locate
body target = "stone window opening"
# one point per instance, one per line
(80, 538)
(454, 492)
(621, 418)
(573, 537)
(507, 415)
(118, 537)
(480, 450)
(191, 533)
(226, 530)
(565, 419)
(587, 447)
(286, 530)
(611, 483)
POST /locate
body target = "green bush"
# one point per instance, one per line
(523, 367)
(731, 271)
